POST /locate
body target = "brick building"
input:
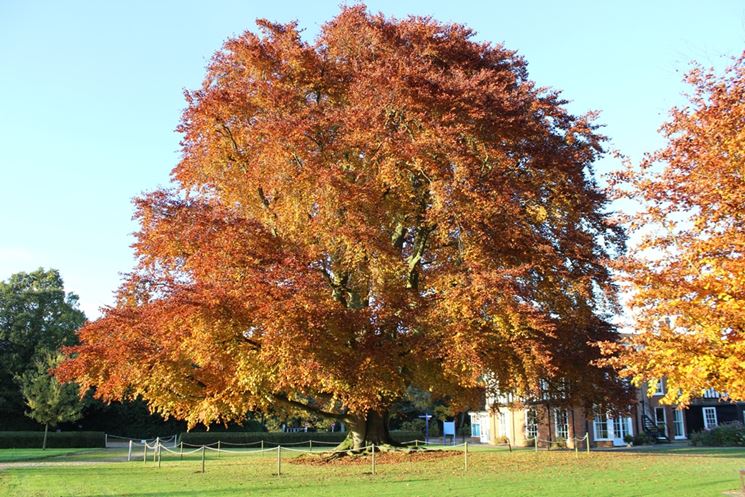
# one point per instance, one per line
(501, 421)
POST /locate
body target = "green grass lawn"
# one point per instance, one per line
(13, 455)
(677, 472)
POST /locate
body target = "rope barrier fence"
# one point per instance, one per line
(157, 447)
(549, 443)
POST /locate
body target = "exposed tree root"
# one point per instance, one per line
(394, 456)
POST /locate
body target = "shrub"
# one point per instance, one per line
(643, 439)
(697, 438)
(55, 440)
(724, 435)
(275, 438)
(414, 425)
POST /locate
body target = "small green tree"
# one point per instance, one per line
(49, 401)
(37, 316)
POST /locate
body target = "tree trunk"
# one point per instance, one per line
(44, 443)
(367, 430)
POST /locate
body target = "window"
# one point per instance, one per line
(660, 419)
(543, 385)
(678, 425)
(710, 393)
(660, 390)
(531, 423)
(561, 423)
(607, 428)
(601, 428)
(710, 418)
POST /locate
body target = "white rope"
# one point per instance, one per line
(434, 444)
(302, 451)
(288, 443)
(179, 453)
(244, 444)
(250, 451)
(200, 445)
(265, 442)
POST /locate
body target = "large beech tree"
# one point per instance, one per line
(392, 205)
(687, 273)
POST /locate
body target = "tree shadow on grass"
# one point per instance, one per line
(282, 487)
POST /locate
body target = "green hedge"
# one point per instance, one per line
(205, 438)
(724, 435)
(55, 440)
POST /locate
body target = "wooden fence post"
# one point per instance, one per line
(279, 460)
(202, 458)
(129, 452)
(465, 456)
(373, 458)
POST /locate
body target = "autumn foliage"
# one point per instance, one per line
(392, 205)
(687, 273)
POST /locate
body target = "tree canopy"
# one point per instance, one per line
(394, 204)
(687, 273)
(37, 316)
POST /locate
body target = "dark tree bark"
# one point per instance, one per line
(367, 430)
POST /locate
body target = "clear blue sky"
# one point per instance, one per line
(90, 93)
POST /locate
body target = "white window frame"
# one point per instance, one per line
(678, 422)
(610, 427)
(531, 429)
(600, 421)
(711, 393)
(565, 415)
(713, 410)
(660, 390)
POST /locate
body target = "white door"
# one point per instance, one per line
(621, 428)
(485, 429)
(661, 419)
(502, 425)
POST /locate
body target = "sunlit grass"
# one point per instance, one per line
(679, 472)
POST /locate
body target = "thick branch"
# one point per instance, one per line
(283, 400)
(420, 242)
(256, 345)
